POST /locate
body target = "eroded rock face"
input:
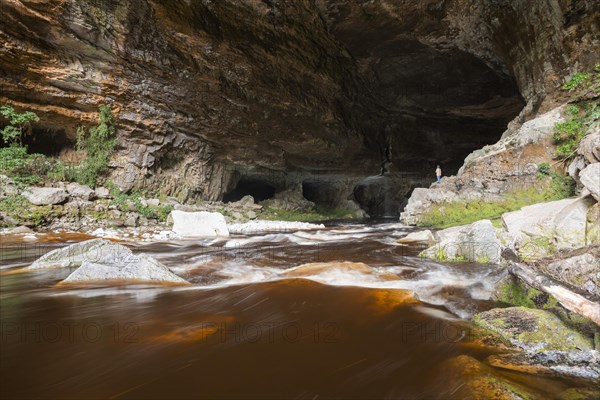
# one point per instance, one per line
(206, 92)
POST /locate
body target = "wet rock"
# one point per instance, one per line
(474, 242)
(381, 196)
(127, 268)
(590, 179)
(574, 364)
(80, 191)
(320, 267)
(41, 196)
(199, 224)
(471, 379)
(421, 236)
(532, 330)
(73, 255)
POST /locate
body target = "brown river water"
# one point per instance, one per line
(246, 327)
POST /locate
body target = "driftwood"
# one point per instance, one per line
(568, 299)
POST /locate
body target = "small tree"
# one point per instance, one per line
(18, 125)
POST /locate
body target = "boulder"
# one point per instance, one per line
(81, 191)
(382, 195)
(570, 224)
(74, 255)
(101, 260)
(42, 196)
(474, 242)
(468, 378)
(421, 200)
(590, 179)
(575, 364)
(589, 147)
(18, 230)
(421, 236)
(291, 199)
(199, 224)
(532, 330)
(133, 268)
(540, 229)
(582, 272)
(153, 202)
(592, 235)
(102, 193)
(320, 267)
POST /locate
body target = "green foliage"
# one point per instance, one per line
(19, 209)
(98, 142)
(23, 168)
(18, 124)
(462, 213)
(580, 116)
(543, 169)
(577, 80)
(123, 201)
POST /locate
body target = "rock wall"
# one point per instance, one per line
(208, 92)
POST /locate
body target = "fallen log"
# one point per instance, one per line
(568, 299)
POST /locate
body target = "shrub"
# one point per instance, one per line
(568, 134)
(577, 80)
(18, 124)
(98, 143)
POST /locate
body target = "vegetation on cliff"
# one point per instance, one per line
(580, 115)
(94, 145)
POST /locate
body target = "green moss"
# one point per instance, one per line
(462, 213)
(533, 329)
(316, 214)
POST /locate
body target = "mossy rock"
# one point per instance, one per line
(471, 379)
(512, 291)
(532, 329)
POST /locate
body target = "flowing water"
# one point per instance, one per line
(251, 325)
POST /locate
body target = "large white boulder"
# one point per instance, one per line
(102, 260)
(570, 224)
(134, 268)
(199, 224)
(73, 255)
(42, 196)
(543, 227)
(474, 242)
(590, 178)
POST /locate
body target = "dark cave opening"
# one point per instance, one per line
(257, 188)
(49, 142)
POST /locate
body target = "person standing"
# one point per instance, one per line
(438, 174)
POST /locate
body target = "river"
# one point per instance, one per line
(250, 326)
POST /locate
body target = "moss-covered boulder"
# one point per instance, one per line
(532, 330)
